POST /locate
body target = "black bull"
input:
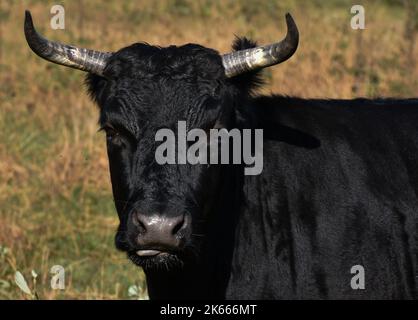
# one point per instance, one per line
(332, 215)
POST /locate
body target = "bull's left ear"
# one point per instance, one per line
(249, 81)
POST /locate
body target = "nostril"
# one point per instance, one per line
(142, 226)
(178, 225)
(138, 220)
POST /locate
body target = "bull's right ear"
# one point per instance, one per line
(96, 86)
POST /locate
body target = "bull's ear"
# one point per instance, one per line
(96, 87)
(249, 81)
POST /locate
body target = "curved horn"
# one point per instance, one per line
(66, 55)
(246, 60)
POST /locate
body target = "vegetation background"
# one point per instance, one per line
(56, 205)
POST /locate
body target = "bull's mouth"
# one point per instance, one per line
(149, 253)
(156, 259)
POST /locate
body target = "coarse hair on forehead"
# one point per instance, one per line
(190, 62)
(141, 60)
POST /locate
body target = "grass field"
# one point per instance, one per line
(56, 206)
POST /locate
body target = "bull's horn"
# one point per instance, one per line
(69, 56)
(242, 61)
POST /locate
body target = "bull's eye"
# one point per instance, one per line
(112, 135)
(118, 136)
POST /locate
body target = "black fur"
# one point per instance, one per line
(339, 186)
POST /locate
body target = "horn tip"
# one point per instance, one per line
(289, 18)
(28, 20)
(28, 15)
(292, 27)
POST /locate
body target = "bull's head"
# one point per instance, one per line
(163, 209)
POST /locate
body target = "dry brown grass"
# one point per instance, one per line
(55, 197)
